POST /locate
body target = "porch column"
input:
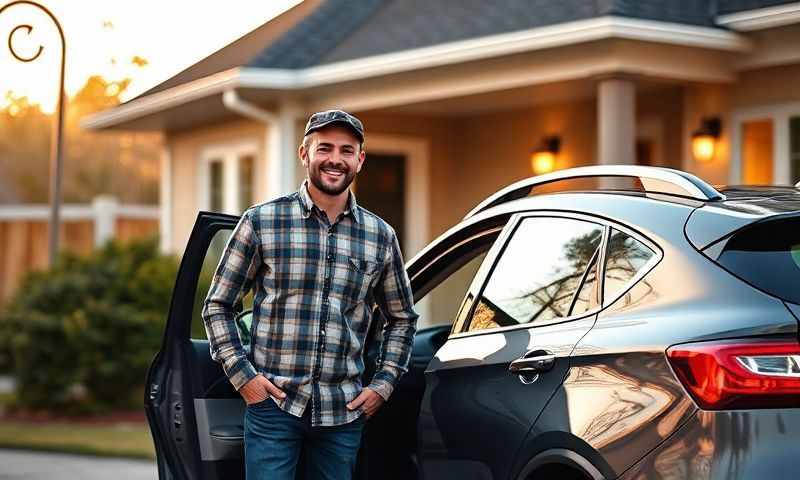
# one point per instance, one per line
(616, 122)
(165, 199)
(282, 143)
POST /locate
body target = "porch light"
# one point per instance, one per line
(704, 139)
(543, 158)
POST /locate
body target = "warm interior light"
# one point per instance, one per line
(542, 162)
(704, 139)
(703, 147)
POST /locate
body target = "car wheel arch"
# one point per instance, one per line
(563, 457)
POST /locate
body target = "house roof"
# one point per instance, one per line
(323, 42)
(319, 32)
(735, 6)
(336, 31)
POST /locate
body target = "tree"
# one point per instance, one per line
(120, 163)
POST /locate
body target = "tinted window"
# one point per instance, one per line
(538, 273)
(625, 257)
(768, 256)
(210, 262)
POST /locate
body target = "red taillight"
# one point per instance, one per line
(739, 373)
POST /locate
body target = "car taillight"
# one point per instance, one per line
(740, 373)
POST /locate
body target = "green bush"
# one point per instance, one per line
(82, 334)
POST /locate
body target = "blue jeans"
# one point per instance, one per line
(273, 440)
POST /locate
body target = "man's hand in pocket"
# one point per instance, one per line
(259, 389)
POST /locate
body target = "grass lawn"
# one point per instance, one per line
(114, 439)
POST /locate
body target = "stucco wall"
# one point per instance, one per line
(186, 149)
(754, 88)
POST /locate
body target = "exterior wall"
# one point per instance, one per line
(186, 150)
(708, 101)
(759, 88)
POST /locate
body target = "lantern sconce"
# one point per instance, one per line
(704, 139)
(543, 157)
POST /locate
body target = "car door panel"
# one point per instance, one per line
(476, 413)
(188, 396)
(460, 438)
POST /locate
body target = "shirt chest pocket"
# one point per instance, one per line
(353, 278)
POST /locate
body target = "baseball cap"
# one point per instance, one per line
(330, 117)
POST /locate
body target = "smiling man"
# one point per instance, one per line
(318, 264)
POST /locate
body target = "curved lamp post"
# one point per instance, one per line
(57, 146)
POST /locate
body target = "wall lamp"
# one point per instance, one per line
(543, 157)
(704, 139)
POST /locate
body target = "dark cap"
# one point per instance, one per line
(331, 117)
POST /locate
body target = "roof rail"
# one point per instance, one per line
(653, 179)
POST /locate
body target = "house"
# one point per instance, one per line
(456, 94)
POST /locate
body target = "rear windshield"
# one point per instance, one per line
(767, 255)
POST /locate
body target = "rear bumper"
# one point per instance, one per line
(747, 444)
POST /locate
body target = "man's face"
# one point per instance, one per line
(332, 159)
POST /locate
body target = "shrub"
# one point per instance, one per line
(91, 324)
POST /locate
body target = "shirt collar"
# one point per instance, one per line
(308, 204)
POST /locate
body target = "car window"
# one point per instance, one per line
(625, 258)
(445, 299)
(538, 273)
(210, 262)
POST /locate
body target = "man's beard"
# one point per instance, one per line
(315, 175)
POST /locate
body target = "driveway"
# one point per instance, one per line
(25, 465)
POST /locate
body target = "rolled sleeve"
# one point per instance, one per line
(395, 300)
(233, 277)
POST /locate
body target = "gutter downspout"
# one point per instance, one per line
(280, 137)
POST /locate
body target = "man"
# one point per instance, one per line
(318, 263)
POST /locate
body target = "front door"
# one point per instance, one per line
(533, 299)
(380, 188)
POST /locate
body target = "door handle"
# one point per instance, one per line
(533, 362)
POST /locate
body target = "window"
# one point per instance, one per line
(445, 298)
(794, 149)
(210, 262)
(757, 154)
(767, 255)
(539, 273)
(246, 177)
(625, 258)
(215, 185)
(227, 178)
(765, 144)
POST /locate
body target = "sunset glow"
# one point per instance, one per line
(147, 41)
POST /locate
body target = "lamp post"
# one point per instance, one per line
(57, 145)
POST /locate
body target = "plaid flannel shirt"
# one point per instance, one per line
(315, 285)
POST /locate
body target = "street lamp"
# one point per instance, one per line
(57, 146)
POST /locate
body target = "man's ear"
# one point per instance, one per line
(361, 157)
(302, 154)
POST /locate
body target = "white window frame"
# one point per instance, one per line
(779, 114)
(229, 154)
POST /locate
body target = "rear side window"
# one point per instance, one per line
(625, 258)
(767, 255)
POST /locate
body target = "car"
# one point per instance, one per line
(614, 321)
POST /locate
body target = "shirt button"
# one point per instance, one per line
(322, 332)
(330, 256)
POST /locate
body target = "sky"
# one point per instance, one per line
(103, 36)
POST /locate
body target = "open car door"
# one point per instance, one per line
(195, 414)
